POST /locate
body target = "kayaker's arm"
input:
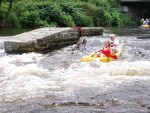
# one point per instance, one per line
(113, 45)
(111, 51)
(112, 55)
(99, 51)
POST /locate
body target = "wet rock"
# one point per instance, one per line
(41, 40)
(81, 44)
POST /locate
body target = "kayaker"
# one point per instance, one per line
(142, 20)
(146, 22)
(114, 43)
(105, 51)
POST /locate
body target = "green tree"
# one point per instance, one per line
(9, 8)
(0, 3)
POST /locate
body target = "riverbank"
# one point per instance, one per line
(13, 31)
(63, 13)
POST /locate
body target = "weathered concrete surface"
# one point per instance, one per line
(46, 39)
(136, 9)
(91, 31)
(41, 40)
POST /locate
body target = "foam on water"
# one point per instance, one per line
(20, 75)
(60, 74)
(1, 45)
(19, 82)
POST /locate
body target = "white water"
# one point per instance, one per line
(120, 86)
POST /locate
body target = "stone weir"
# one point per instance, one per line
(47, 39)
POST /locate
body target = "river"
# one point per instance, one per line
(57, 82)
(13, 31)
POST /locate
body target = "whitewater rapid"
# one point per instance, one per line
(58, 82)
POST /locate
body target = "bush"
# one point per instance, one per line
(41, 23)
(34, 13)
(53, 24)
(30, 19)
(82, 20)
(67, 21)
(55, 13)
(12, 20)
(107, 19)
(69, 7)
(97, 13)
(116, 20)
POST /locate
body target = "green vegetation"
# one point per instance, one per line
(35, 13)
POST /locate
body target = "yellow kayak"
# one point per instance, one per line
(145, 26)
(90, 58)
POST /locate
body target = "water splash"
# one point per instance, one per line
(1, 46)
(58, 81)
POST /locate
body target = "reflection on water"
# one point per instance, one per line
(13, 31)
(58, 83)
(128, 31)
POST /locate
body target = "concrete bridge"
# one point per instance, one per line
(136, 8)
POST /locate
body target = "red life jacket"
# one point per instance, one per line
(106, 52)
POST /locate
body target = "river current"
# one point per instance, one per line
(57, 82)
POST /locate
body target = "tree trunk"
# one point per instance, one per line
(0, 4)
(9, 8)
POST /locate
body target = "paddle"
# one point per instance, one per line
(92, 55)
(110, 55)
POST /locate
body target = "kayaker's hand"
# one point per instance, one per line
(97, 52)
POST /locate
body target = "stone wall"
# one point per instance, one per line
(92, 31)
(47, 39)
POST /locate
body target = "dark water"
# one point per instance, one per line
(128, 31)
(58, 82)
(13, 31)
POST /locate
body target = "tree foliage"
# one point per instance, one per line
(34, 13)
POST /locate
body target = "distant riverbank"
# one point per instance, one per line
(115, 30)
(63, 13)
